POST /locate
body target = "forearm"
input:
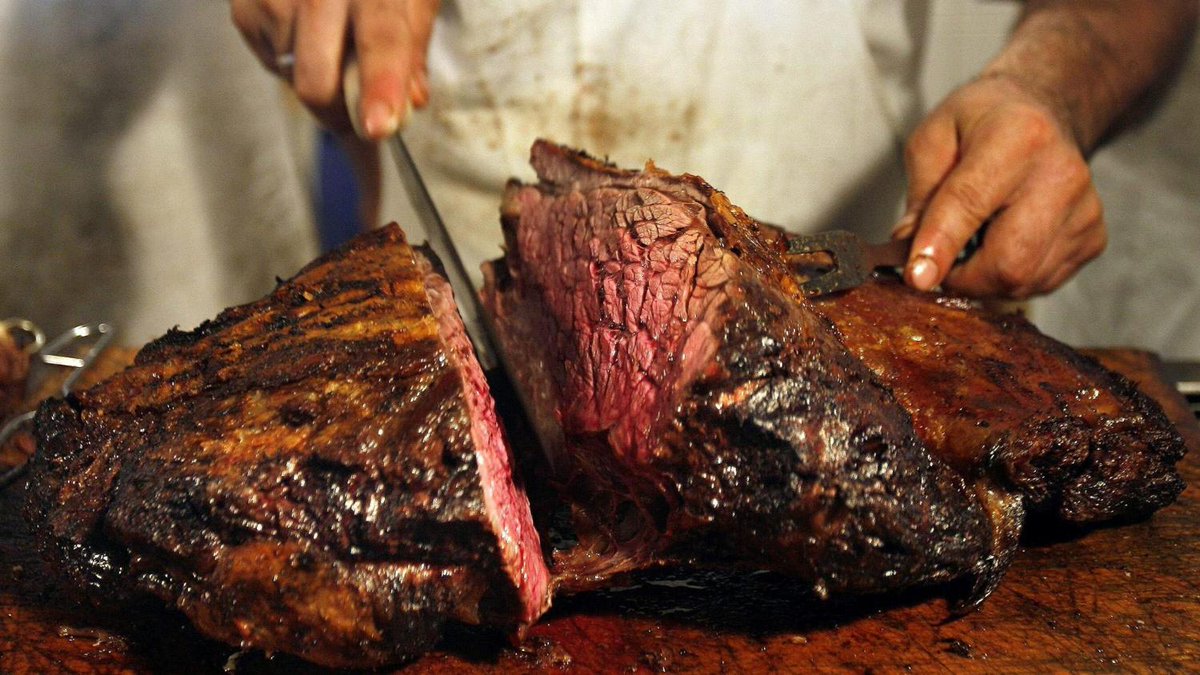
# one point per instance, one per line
(1093, 58)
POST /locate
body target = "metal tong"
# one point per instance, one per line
(77, 349)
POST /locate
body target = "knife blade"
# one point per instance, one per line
(438, 238)
(470, 306)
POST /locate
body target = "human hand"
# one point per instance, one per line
(997, 149)
(390, 39)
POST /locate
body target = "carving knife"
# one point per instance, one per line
(439, 240)
(469, 305)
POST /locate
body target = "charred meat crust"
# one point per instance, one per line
(1005, 404)
(297, 475)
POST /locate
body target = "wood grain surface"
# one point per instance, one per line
(1119, 598)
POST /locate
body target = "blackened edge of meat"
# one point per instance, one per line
(1129, 471)
(831, 483)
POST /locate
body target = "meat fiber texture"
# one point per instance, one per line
(693, 407)
(320, 472)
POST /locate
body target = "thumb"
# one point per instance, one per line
(929, 156)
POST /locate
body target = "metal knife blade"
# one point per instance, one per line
(469, 306)
(439, 240)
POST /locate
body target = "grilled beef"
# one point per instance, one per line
(693, 408)
(320, 472)
(1009, 407)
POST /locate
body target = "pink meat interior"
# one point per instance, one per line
(507, 505)
(632, 280)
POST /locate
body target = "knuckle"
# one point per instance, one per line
(1015, 274)
(1096, 244)
(1009, 279)
(1075, 173)
(279, 11)
(1036, 126)
(970, 197)
(378, 35)
(1071, 178)
(1093, 215)
(917, 145)
(243, 17)
(1022, 293)
(314, 89)
(380, 22)
(925, 143)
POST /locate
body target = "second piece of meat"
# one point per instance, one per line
(692, 410)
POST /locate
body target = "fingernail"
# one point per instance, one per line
(904, 230)
(380, 120)
(923, 272)
(907, 225)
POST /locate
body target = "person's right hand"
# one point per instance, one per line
(390, 39)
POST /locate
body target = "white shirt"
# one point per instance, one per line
(797, 109)
(150, 176)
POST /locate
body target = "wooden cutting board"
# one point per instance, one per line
(1124, 598)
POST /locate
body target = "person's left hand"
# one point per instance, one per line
(996, 149)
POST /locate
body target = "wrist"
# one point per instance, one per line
(1059, 106)
(1060, 58)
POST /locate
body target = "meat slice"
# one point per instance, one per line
(1006, 405)
(320, 472)
(693, 409)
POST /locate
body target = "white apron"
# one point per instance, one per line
(797, 109)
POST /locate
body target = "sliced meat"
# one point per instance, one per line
(1001, 402)
(320, 472)
(692, 408)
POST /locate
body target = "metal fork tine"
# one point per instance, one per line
(831, 281)
(848, 264)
